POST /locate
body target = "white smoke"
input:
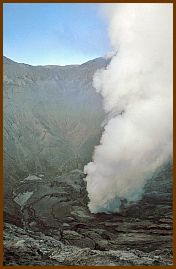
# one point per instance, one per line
(137, 92)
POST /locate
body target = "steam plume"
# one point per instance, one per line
(137, 92)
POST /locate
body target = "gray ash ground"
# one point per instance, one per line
(47, 222)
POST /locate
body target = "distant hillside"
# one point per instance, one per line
(52, 117)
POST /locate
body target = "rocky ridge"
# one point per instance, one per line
(31, 248)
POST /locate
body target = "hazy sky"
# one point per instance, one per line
(54, 33)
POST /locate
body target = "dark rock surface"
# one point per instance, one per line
(26, 247)
(56, 211)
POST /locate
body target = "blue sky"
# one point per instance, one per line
(60, 34)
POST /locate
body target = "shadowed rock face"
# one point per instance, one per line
(52, 119)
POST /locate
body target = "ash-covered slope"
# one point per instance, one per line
(52, 117)
(52, 121)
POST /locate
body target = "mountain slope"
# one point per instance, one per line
(52, 121)
(52, 117)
